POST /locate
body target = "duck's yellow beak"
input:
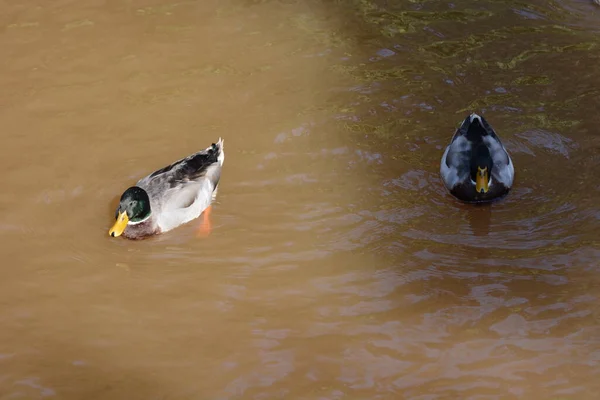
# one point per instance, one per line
(481, 182)
(119, 226)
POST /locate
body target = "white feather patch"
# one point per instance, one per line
(174, 216)
(474, 116)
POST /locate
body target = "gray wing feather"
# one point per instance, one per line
(503, 169)
(178, 185)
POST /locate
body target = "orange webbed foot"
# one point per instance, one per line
(205, 226)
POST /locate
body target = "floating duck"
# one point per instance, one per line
(171, 196)
(475, 166)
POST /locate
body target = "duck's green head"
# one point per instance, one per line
(481, 169)
(134, 207)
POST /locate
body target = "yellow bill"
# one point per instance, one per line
(119, 227)
(482, 180)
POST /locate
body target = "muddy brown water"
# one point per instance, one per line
(338, 266)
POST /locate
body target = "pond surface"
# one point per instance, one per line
(338, 266)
